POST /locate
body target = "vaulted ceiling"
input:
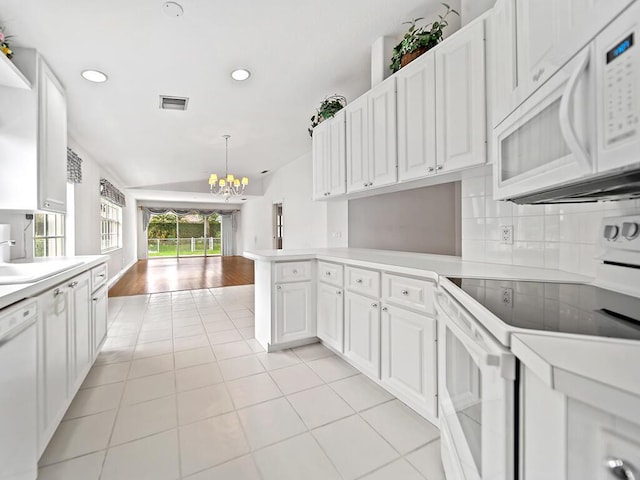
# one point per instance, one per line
(298, 52)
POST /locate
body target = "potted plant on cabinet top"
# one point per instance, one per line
(4, 44)
(328, 108)
(419, 40)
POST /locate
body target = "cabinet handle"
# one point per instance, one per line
(102, 275)
(57, 292)
(26, 313)
(73, 284)
(95, 299)
(405, 292)
(358, 280)
(620, 469)
(384, 309)
(328, 274)
(374, 305)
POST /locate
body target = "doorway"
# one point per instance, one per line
(174, 236)
(277, 226)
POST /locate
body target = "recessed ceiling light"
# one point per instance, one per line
(240, 74)
(94, 76)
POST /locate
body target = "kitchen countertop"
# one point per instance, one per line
(418, 264)
(10, 294)
(599, 371)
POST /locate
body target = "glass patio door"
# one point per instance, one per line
(169, 235)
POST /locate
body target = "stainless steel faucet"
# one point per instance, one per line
(9, 243)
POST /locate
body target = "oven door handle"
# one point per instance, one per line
(482, 355)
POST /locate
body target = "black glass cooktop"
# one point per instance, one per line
(557, 307)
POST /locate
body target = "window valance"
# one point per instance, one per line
(148, 212)
(111, 193)
(74, 167)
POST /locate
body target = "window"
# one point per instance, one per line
(111, 225)
(48, 235)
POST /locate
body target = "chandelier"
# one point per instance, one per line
(228, 186)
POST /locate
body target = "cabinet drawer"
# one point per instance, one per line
(98, 276)
(413, 293)
(363, 281)
(293, 271)
(330, 273)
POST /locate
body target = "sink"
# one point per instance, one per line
(11, 273)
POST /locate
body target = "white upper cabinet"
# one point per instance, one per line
(502, 75)
(357, 144)
(383, 146)
(417, 118)
(33, 144)
(372, 138)
(52, 141)
(461, 100)
(329, 155)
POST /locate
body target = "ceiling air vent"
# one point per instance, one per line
(173, 103)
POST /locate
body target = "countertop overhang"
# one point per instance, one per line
(10, 294)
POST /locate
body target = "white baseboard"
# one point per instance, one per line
(113, 280)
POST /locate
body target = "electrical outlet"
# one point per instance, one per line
(506, 234)
(507, 297)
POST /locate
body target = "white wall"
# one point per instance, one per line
(553, 236)
(305, 221)
(87, 215)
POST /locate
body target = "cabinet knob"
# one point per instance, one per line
(279, 287)
(47, 204)
(26, 313)
(295, 271)
(95, 299)
(404, 292)
(365, 184)
(438, 167)
(358, 280)
(328, 274)
(102, 275)
(384, 309)
(430, 169)
(620, 469)
(57, 292)
(374, 305)
(339, 292)
(73, 284)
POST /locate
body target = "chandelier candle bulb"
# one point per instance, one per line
(227, 186)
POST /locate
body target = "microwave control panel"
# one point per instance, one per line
(621, 96)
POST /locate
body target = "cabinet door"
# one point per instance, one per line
(81, 352)
(502, 71)
(53, 361)
(409, 359)
(362, 333)
(99, 302)
(330, 315)
(335, 161)
(417, 118)
(320, 143)
(357, 139)
(294, 318)
(383, 142)
(52, 142)
(460, 100)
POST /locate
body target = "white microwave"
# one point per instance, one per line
(577, 138)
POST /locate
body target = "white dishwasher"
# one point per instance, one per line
(18, 434)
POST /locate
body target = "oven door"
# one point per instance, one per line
(477, 398)
(548, 140)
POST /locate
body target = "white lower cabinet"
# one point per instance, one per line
(330, 315)
(99, 301)
(362, 332)
(294, 315)
(53, 362)
(409, 358)
(69, 323)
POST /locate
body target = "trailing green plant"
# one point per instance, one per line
(328, 108)
(416, 38)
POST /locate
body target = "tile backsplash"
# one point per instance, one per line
(561, 237)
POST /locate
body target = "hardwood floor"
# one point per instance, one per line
(171, 274)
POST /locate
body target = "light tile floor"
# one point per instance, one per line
(182, 390)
